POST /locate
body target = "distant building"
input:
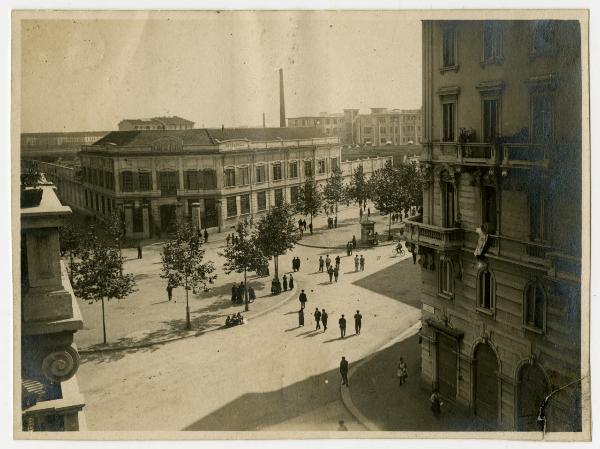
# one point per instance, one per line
(50, 316)
(499, 240)
(327, 123)
(155, 123)
(59, 140)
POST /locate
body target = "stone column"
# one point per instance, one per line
(146, 220)
(128, 220)
(196, 222)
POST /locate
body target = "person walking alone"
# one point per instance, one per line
(321, 263)
(291, 281)
(327, 262)
(401, 372)
(357, 322)
(205, 235)
(356, 262)
(302, 299)
(330, 273)
(317, 315)
(353, 242)
(362, 263)
(337, 261)
(300, 317)
(344, 371)
(336, 272)
(342, 322)
(169, 291)
(324, 318)
(139, 248)
(285, 285)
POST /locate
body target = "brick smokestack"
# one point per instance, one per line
(281, 101)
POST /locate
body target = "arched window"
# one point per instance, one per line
(485, 291)
(534, 305)
(446, 278)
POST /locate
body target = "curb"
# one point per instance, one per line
(345, 392)
(384, 243)
(169, 340)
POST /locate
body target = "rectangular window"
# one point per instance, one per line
(138, 219)
(541, 119)
(169, 183)
(489, 208)
(261, 200)
(334, 164)
(127, 181)
(491, 41)
(449, 58)
(321, 166)
(277, 175)
(145, 180)
(449, 112)
(229, 177)
(244, 176)
(244, 204)
(294, 191)
(490, 120)
(278, 197)
(260, 173)
(446, 284)
(293, 173)
(208, 179)
(543, 38)
(231, 206)
(308, 168)
(539, 216)
(191, 180)
(485, 291)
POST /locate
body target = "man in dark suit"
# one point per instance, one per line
(317, 315)
(357, 322)
(302, 299)
(342, 322)
(344, 371)
(324, 317)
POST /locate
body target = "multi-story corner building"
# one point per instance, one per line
(500, 234)
(231, 174)
(50, 316)
(169, 123)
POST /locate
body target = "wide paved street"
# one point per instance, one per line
(268, 374)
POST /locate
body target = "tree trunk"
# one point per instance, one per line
(246, 308)
(188, 322)
(120, 258)
(390, 227)
(276, 264)
(103, 322)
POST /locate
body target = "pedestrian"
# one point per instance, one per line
(310, 228)
(327, 262)
(335, 222)
(330, 273)
(342, 322)
(414, 253)
(302, 299)
(304, 224)
(241, 292)
(169, 291)
(337, 261)
(139, 248)
(336, 272)
(344, 371)
(291, 285)
(353, 242)
(436, 404)
(357, 322)
(301, 317)
(234, 293)
(205, 235)
(297, 264)
(284, 283)
(356, 262)
(368, 212)
(362, 263)
(324, 317)
(317, 315)
(321, 263)
(251, 294)
(300, 223)
(294, 264)
(401, 372)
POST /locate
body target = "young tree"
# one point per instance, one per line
(334, 190)
(276, 233)
(97, 273)
(412, 180)
(182, 263)
(114, 227)
(243, 255)
(359, 188)
(310, 200)
(70, 241)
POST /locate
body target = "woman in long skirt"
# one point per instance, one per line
(284, 283)
(300, 317)
(291, 281)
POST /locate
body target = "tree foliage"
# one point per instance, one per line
(70, 241)
(310, 199)
(334, 191)
(276, 233)
(182, 263)
(243, 255)
(358, 189)
(97, 273)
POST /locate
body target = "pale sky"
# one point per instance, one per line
(215, 68)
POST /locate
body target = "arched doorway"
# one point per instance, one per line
(486, 385)
(532, 389)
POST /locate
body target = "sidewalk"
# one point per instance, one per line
(374, 392)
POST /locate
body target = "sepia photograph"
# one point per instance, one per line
(292, 224)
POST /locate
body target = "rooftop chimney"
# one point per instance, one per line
(281, 101)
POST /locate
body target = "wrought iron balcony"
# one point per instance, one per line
(432, 236)
(525, 155)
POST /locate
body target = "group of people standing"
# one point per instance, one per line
(331, 270)
(238, 293)
(285, 284)
(321, 317)
(351, 246)
(302, 226)
(332, 222)
(296, 264)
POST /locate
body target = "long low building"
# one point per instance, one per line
(158, 177)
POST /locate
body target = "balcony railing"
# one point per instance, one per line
(433, 236)
(524, 155)
(478, 153)
(507, 247)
